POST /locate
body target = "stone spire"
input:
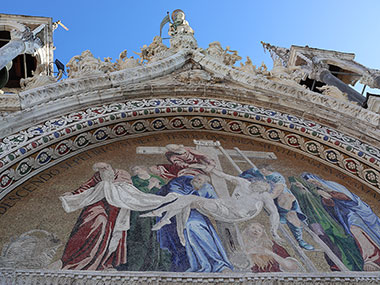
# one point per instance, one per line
(277, 53)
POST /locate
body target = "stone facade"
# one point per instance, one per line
(174, 95)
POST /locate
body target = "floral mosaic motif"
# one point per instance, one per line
(351, 165)
(235, 127)
(44, 156)
(63, 148)
(119, 130)
(6, 178)
(88, 127)
(119, 111)
(24, 168)
(177, 123)
(312, 147)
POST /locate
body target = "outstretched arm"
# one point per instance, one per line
(274, 217)
(234, 179)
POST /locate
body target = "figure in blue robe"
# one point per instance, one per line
(351, 212)
(203, 251)
(277, 178)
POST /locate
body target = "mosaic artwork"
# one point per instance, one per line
(191, 202)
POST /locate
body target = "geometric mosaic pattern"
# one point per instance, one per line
(24, 154)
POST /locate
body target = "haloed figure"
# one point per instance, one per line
(287, 205)
(184, 161)
(143, 249)
(266, 255)
(203, 250)
(356, 217)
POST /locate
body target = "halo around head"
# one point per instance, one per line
(175, 12)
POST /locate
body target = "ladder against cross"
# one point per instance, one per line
(214, 150)
(230, 233)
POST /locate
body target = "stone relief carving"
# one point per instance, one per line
(154, 52)
(371, 78)
(124, 62)
(86, 65)
(333, 92)
(197, 76)
(287, 75)
(228, 57)
(34, 249)
(31, 41)
(40, 78)
(248, 67)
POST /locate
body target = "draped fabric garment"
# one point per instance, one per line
(276, 178)
(272, 265)
(180, 164)
(349, 210)
(143, 249)
(97, 241)
(87, 246)
(311, 204)
(203, 248)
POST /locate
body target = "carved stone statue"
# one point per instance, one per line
(179, 25)
(231, 56)
(40, 78)
(248, 66)
(287, 75)
(124, 62)
(155, 51)
(86, 65)
(227, 56)
(263, 69)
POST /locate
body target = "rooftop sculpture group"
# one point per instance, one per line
(291, 67)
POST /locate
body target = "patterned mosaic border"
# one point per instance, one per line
(24, 154)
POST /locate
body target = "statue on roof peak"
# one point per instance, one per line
(179, 24)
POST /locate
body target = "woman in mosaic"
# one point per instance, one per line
(356, 217)
(266, 255)
(326, 227)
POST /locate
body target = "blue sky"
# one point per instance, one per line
(108, 27)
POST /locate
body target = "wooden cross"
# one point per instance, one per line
(213, 150)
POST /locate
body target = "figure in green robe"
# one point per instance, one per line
(143, 249)
(328, 230)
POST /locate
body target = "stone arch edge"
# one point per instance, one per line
(25, 154)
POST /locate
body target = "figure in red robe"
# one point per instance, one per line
(184, 161)
(89, 246)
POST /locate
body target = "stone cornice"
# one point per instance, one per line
(73, 94)
(19, 276)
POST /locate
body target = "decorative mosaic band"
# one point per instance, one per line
(25, 154)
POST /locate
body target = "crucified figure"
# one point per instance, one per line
(247, 202)
(256, 189)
